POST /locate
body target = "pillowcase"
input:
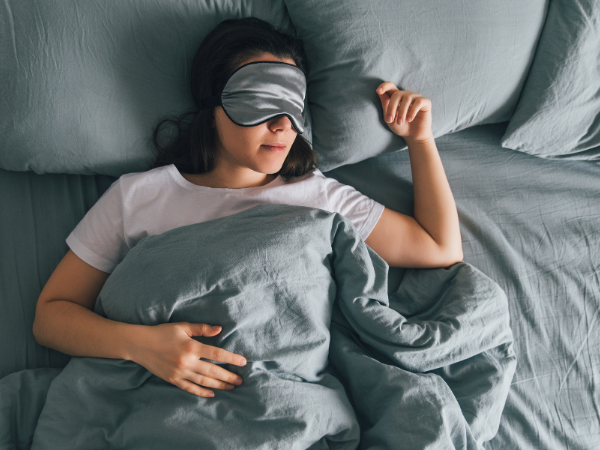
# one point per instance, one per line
(83, 83)
(558, 115)
(469, 58)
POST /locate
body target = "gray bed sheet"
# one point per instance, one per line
(533, 226)
(530, 224)
(37, 214)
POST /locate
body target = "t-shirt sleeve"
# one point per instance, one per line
(363, 211)
(99, 238)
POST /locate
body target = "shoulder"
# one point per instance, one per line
(152, 174)
(331, 183)
(315, 177)
(153, 180)
(335, 192)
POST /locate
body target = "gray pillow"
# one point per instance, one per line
(558, 115)
(83, 83)
(470, 58)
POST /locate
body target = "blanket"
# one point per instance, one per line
(333, 360)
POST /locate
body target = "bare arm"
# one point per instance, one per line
(431, 238)
(434, 206)
(65, 321)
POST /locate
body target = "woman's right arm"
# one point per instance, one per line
(65, 321)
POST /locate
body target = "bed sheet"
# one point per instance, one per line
(533, 226)
(529, 224)
(38, 213)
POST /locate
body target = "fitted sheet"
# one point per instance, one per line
(37, 214)
(527, 223)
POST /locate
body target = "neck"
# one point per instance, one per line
(231, 179)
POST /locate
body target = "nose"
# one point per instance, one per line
(280, 123)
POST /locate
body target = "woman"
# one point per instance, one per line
(216, 167)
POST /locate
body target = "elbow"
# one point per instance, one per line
(457, 258)
(451, 257)
(36, 331)
(37, 328)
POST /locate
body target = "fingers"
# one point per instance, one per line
(408, 102)
(212, 375)
(201, 375)
(202, 380)
(418, 104)
(218, 354)
(385, 91)
(395, 102)
(210, 352)
(385, 87)
(201, 329)
(197, 378)
(398, 102)
(399, 105)
(194, 389)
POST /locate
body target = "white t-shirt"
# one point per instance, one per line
(152, 202)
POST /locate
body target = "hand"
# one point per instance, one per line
(406, 113)
(169, 352)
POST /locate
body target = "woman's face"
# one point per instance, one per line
(250, 147)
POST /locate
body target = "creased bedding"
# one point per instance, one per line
(333, 361)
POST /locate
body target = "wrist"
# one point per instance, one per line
(133, 339)
(412, 141)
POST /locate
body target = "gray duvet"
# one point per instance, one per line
(333, 360)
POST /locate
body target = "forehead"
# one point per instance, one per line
(267, 57)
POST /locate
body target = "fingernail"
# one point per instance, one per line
(215, 328)
(238, 381)
(242, 361)
(211, 394)
(388, 118)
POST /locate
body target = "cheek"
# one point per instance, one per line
(253, 136)
(234, 136)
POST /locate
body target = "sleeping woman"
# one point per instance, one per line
(244, 147)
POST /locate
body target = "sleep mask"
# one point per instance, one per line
(260, 91)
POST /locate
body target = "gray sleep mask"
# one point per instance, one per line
(260, 91)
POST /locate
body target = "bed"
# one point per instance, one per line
(515, 90)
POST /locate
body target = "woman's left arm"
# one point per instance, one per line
(431, 238)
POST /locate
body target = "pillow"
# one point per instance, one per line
(83, 83)
(470, 58)
(558, 115)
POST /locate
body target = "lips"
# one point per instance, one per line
(275, 147)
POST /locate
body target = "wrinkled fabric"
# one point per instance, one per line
(470, 58)
(330, 354)
(85, 83)
(557, 116)
(260, 91)
(530, 224)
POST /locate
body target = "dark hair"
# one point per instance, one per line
(231, 43)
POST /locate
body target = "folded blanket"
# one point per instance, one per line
(333, 361)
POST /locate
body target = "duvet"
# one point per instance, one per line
(334, 361)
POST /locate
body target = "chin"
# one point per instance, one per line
(270, 170)
(271, 167)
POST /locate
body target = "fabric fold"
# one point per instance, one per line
(332, 361)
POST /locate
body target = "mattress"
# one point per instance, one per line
(529, 224)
